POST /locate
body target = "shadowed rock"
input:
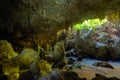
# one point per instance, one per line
(103, 64)
(101, 77)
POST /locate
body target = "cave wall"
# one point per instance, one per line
(30, 21)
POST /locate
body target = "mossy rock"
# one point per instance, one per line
(27, 56)
(45, 67)
(6, 50)
(11, 70)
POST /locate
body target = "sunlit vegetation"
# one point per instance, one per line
(92, 23)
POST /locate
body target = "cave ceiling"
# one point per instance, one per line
(25, 17)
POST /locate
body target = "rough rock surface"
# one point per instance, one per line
(45, 67)
(101, 77)
(117, 50)
(40, 68)
(23, 21)
(27, 57)
(103, 64)
(6, 52)
(62, 75)
(57, 57)
(11, 70)
(86, 43)
(102, 43)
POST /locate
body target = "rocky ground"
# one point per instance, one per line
(88, 70)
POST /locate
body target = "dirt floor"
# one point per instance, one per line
(89, 71)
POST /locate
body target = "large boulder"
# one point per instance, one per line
(6, 51)
(27, 57)
(62, 75)
(8, 69)
(102, 77)
(105, 49)
(45, 67)
(11, 70)
(101, 53)
(116, 47)
(56, 75)
(40, 68)
(58, 56)
(86, 43)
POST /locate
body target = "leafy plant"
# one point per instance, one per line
(92, 23)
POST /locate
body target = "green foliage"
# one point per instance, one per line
(92, 23)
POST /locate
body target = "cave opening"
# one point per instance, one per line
(59, 40)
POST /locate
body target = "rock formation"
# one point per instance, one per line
(26, 22)
(103, 64)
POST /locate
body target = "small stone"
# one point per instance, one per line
(103, 64)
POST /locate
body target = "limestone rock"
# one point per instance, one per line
(102, 49)
(103, 64)
(35, 69)
(59, 50)
(59, 54)
(40, 68)
(57, 57)
(11, 70)
(116, 48)
(86, 43)
(45, 67)
(102, 77)
(64, 75)
(56, 75)
(105, 39)
(6, 51)
(101, 53)
(27, 56)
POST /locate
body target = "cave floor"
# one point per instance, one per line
(88, 70)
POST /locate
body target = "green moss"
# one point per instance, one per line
(45, 67)
(92, 23)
